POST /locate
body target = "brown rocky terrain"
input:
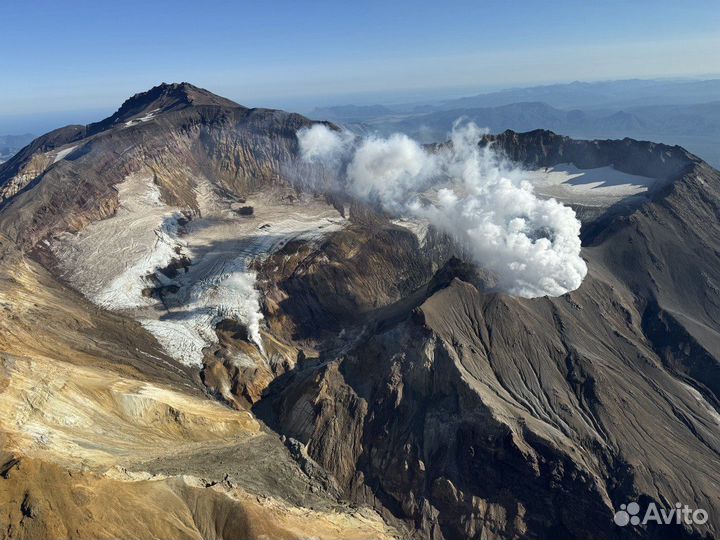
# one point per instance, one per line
(105, 436)
(391, 391)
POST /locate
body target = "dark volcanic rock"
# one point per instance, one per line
(397, 376)
(542, 148)
(478, 415)
(162, 98)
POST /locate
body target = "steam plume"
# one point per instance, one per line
(483, 203)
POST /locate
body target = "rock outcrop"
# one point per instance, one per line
(478, 415)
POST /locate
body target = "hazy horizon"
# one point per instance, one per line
(43, 121)
(321, 53)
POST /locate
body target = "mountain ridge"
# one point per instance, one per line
(390, 386)
(160, 99)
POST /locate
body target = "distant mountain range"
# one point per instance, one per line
(11, 144)
(685, 113)
(606, 94)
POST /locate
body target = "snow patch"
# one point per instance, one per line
(189, 326)
(62, 154)
(418, 227)
(110, 261)
(114, 261)
(601, 186)
(125, 291)
(220, 284)
(179, 340)
(144, 118)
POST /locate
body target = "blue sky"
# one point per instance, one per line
(85, 57)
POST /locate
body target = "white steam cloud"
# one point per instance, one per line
(322, 144)
(532, 245)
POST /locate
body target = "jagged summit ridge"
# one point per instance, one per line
(174, 95)
(163, 98)
(542, 148)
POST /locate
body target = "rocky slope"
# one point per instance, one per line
(169, 132)
(105, 436)
(478, 415)
(93, 405)
(190, 339)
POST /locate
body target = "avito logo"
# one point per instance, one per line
(629, 514)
